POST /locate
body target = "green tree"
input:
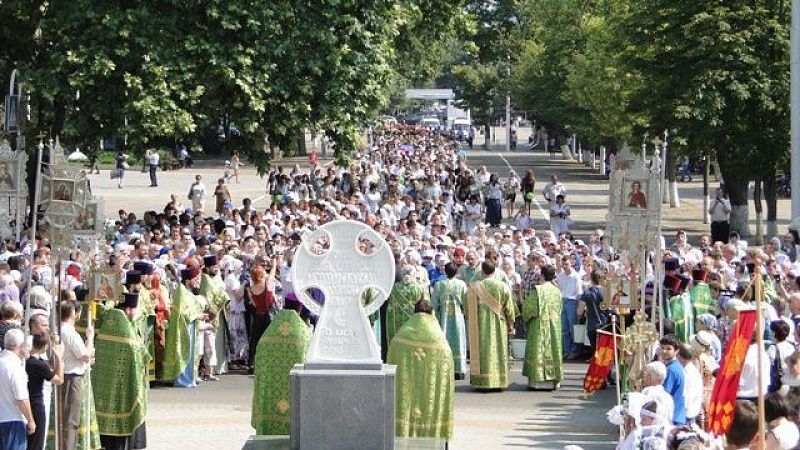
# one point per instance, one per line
(710, 69)
(176, 69)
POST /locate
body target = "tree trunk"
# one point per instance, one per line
(301, 144)
(672, 181)
(706, 168)
(759, 237)
(736, 185)
(771, 197)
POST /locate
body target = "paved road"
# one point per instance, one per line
(217, 416)
(587, 193)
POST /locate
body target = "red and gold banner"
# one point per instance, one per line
(601, 364)
(723, 397)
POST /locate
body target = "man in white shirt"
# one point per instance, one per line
(748, 382)
(720, 211)
(16, 418)
(77, 356)
(569, 281)
(152, 161)
(553, 189)
(692, 385)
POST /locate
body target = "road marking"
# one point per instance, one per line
(258, 199)
(545, 216)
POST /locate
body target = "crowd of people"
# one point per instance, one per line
(187, 293)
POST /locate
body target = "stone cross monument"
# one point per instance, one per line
(343, 260)
(343, 396)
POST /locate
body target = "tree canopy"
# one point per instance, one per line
(103, 69)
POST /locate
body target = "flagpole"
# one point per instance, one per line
(616, 365)
(760, 342)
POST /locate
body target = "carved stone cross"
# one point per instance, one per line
(343, 259)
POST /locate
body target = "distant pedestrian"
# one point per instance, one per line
(528, 187)
(121, 164)
(152, 158)
(197, 194)
(559, 216)
(494, 196)
(553, 189)
(510, 189)
(720, 211)
(235, 164)
(222, 195)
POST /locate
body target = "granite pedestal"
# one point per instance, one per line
(342, 407)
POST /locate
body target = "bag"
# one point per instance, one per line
(191, 194)
(579, 333)
(126, 166)
(113, 174)
(775, 372)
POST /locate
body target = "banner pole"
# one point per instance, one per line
(759, 291)
(616, 366)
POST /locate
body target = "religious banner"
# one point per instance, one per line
(75, 217)
(13, 190)
(723, 397)
(601, 364)
(632, 229)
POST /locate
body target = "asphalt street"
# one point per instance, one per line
(216, 415)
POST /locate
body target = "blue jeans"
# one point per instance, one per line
(569, 317)
(13, 436)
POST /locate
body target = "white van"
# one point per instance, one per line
(462, 128)
(431, 123)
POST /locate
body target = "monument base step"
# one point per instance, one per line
(338, 409)
(282, 443)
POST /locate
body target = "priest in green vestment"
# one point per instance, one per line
(700, 293)
(400, 305)
(146, 314)
(679, 307)
(424, 385)
(213, 289)
(120, 376)
(283, 344)
(449, 297)
(541, 310)
(490, 312)
(180, 352)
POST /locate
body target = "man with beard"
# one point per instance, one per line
(154, 307)
(215, 343)
(120, 376)
(180, 353)
(490, 313)
(541, 309)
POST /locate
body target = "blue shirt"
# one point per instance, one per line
(674, 384)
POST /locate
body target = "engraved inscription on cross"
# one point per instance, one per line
(346, 261)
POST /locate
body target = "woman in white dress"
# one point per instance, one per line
(473, 213)
(559, 216)
(197, 194)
